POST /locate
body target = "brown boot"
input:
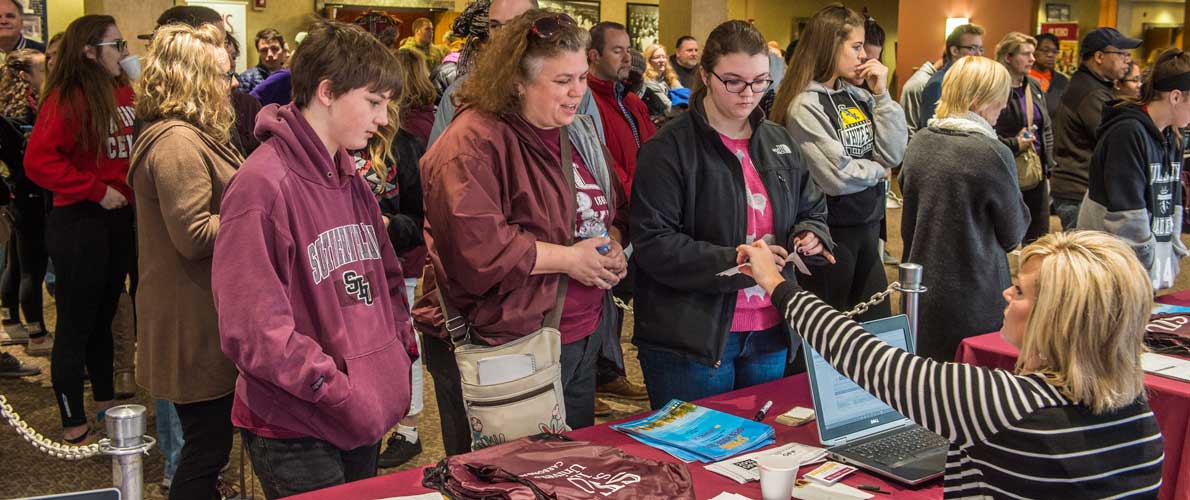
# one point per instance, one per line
(624, 389)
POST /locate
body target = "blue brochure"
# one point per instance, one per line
(692, 433)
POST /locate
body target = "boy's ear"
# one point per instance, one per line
(324, 93)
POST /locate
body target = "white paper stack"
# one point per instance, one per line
(1166, 366)
(744, 469)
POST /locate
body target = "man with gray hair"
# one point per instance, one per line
(12, 14)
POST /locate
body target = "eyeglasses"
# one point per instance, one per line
(546, 27)
(737, 86)
(120, 44)
(1121, 53)
(978, 49)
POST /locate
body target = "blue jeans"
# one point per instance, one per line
(169, 436)
(749, 358)
(291, 466)
(1067, 211)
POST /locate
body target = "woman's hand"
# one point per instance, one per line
(808, 244)
(591, 268)
(1024, 140)
(763, 269)
(876, 75)
(113, 199)
(780, 254)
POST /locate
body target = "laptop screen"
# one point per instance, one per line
(843, 407)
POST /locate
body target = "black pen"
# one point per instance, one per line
(764, 410)
(874, 489)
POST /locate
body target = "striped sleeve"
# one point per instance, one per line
(963, 403)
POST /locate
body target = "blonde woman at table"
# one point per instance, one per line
(1071, 423)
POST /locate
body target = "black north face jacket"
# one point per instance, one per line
(688, 214)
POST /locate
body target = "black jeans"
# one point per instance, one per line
(857, 273)
(92, 249)
(291, 466)
(207, 435)
(1038, 201)
(20, 286)
(578, 385)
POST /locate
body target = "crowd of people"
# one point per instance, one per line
(273, 227)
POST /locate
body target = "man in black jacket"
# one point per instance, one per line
(1105, 59)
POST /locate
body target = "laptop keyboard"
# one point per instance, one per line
(898, 447)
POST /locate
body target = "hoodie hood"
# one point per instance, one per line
(153, 132)
(288, 130)
(968, 122)
(856, 93)
(1116, 112)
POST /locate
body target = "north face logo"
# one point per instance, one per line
(358, 287)
(782, 149)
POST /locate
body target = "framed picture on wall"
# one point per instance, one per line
(1057, 12)
(642, 25)
(584, 12)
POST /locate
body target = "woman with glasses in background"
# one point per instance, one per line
(506, 226)
(79, 151)
(1129, 86)
(850, 138)
(719, 176)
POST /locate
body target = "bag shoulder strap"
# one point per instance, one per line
(457, 327)
(1028, 105)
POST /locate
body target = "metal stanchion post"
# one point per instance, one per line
(126, 443)
(909, 275)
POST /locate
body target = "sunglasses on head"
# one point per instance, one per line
(546, 27)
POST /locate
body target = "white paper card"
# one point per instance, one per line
(500, 369)
(1166, 366)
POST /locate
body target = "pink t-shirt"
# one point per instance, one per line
(754, 308)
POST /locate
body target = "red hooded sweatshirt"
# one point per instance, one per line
(310, 296)
(54, 161)
(618, 133)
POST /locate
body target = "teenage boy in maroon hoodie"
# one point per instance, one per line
(310, 296)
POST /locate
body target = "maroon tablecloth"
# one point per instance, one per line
(785, 393)
(1169, 399)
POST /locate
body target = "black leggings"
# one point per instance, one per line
(26, 261)
(857, 273)
(92, 249)
(207, 436)
(1038, 201)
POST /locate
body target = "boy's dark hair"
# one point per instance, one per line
(269, 35)
(348, 57)
(599, 34)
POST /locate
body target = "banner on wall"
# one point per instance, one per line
(1067, 34)
(235, 21)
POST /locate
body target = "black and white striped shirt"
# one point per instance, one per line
(1012, 436)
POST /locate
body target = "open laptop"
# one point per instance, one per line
(861, 430)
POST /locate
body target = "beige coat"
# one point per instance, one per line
(178, 174)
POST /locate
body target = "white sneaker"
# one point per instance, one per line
(13, 334)
(43, 348)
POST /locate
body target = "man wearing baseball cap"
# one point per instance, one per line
(1105, 57)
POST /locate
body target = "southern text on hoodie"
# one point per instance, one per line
(310, 295)
(56, 162)
(1135, 191)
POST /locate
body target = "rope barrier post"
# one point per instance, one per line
(126, 428)
(909, 276)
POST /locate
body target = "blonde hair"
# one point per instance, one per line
(671, 77)
(15, 90)
(1011, 44)
(418, 90)
(380, 147)
(973, 82)
(1088, 321)
(185, 79)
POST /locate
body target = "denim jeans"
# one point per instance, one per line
(1067, 211)
(169, 436)
(749, 358)
(291, 466)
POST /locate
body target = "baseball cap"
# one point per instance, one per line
(1102, 38)
(192, 15)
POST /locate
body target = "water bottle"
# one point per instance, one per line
(595, 229)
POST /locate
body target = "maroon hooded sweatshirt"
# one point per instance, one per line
(310, 295)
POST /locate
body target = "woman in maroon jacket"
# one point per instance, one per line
(497, 206)
(79, 151)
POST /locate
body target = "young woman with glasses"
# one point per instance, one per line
(505, 225)
(850, 138)
(717, 177)
(79, 151)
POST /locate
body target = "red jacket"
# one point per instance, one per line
(54, 161)
(616, 130)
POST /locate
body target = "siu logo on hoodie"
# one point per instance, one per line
(339, 247)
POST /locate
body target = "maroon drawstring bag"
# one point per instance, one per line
(554, 467)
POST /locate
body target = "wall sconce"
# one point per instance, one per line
(955, 22)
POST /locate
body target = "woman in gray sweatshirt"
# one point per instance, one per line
(850, 138)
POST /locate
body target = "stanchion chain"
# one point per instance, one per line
(52, 448)
(621, 304)
(876, 299)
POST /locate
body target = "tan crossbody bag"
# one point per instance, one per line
(1028, 163)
